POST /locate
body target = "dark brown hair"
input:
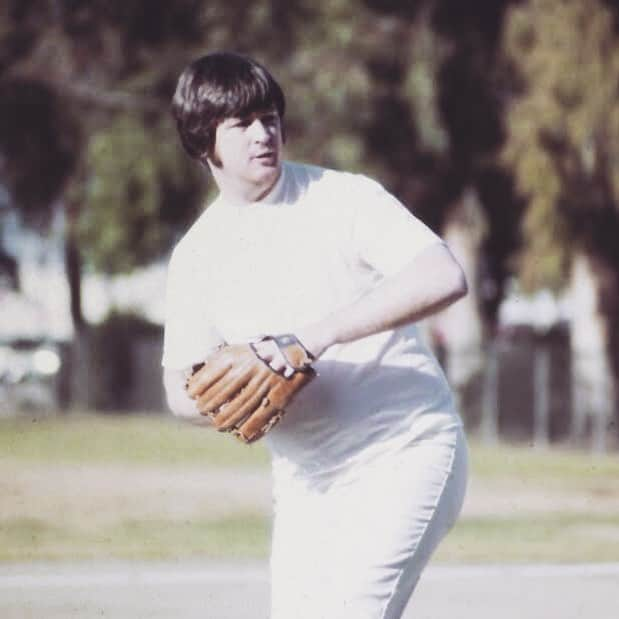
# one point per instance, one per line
(218, 86)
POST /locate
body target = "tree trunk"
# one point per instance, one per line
(73, 265)
(79, 364)
(460, 326)
(458, 330)
(593, 384)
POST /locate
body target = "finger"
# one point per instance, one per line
(247, 409)
(224, 389)
(253, 428)
(283, 392)
(271, 409)
(263, 419)
(205, 377)
(228, 413)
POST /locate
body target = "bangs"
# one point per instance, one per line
(243, 97)
(240, 90)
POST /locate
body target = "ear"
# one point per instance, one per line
(209, 155)
(210, 164)
(210, 160)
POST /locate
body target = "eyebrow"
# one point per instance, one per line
(245, 117)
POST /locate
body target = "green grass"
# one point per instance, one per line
(553, 537)
(242, 536)
(559, 464)
(123, 439)
(162, 440)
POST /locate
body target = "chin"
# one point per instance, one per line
(266, 179)
(269, 172)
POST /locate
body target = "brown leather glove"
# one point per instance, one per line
(242, 394)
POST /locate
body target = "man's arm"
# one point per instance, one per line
(428, 284)
(179, 402)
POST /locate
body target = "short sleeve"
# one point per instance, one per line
(189, 335)
(385, 235)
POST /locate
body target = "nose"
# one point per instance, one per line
(260, 131)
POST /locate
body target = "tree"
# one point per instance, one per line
(404, 91)
(563, 144)
(76, 76)
(71, 73)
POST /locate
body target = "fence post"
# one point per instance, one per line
(489, 426)
(593, 399)
(579, 405)
(601, 416)
(541, 393)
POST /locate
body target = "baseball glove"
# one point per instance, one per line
(242, 394)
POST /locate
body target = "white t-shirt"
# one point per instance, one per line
(319, 240)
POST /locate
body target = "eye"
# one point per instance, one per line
(238, 123)
(270, 119)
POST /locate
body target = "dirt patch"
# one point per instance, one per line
(97, 495)
(511, 498)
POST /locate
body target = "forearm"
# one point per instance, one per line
(433, 281)
(179, 402)
(407, 297)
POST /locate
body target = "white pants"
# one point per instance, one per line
(357, 550)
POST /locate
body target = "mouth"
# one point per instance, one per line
(269, 156)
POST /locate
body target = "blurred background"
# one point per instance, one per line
(498, 126)
(496, 122)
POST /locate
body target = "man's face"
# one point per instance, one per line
(248, 149)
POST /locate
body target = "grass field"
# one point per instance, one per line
(85, 486)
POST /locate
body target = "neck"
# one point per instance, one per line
(240, 190)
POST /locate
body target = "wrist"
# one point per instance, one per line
(316, 338)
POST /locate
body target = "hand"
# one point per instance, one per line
(270, 353)
(315, 339)
(241, 394)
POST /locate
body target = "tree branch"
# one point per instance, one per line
(107, 99)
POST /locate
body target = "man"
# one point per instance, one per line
(369, 462)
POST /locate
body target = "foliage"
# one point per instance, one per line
(412, 93)
(139, 191)
(563, 125)
(39, 143)
(79, 74)
(110, 68)
(473, 84)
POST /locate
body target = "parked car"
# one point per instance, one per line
(29, 371)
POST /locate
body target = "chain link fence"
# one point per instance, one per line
(534, 388)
